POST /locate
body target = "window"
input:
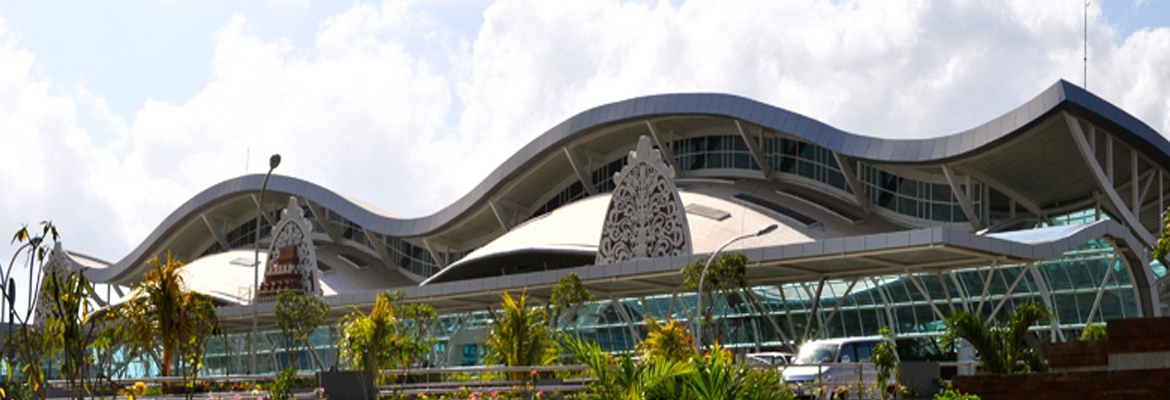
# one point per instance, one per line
(848, 353)
(713, 152)
(918, 199)
(864, 352)
(470, 355)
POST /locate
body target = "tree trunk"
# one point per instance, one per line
(165, 368)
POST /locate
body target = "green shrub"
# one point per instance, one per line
(282, 386)
(716, 375)
(1094, 332)
(951, 394)
(886, 361)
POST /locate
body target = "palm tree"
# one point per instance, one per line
(669, 340)
(163, 314)
(519, 336)
(393, 335)
(1001, 349)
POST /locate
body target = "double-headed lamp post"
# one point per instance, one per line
(273, 162)
(702, 276)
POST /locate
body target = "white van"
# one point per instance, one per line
(833, 363)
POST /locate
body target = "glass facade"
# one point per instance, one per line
(771, 316)
(791, 156)
(713, 152)
(917, 199)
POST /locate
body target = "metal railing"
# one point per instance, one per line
(426, 387)
(860, 378)
(491, 383)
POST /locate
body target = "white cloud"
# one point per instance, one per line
(280, 4)
(366, 110)
(347, 112)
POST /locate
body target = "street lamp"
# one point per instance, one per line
(702, 276)
(10, 289)
(273, 162)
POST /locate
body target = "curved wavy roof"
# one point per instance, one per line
(1062, 96)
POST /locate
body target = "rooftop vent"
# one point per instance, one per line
(708, 212)
(323, 266)
(823, 206)
(353, 261)
(242, 261)
(779, 209)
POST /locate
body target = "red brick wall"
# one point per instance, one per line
(1132, 335)
(1078, 354)
(1098, 385)
(1139, 335)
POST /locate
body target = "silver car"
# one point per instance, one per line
(822, 366)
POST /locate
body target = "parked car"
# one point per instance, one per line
(769, 359)
(823, 365)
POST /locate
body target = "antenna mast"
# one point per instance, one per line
(1086, 46)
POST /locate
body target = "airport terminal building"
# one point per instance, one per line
(1057, 202)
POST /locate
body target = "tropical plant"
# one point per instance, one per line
(886, 360)
(163, 314)
(622, 378)
(298, 316)
(26, 346)
(24, 353)
(764, 384)
(392, 335)
(1162, 247)
(570, 295)
(1094, 332)
(107, 348)
(669, 340)
(282, 385)
(519, 335)
(724, 277)
(67, 328)
(716, 376)
(1001, 349)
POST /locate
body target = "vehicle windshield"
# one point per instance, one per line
(816, 353)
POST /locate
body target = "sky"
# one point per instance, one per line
(114, 113)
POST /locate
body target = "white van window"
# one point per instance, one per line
(865, 351)
(816, 353)
(847, 353)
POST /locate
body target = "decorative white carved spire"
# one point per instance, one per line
(58, 265)
(292, 257)
(646, 217)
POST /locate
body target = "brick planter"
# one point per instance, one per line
(1078, 355)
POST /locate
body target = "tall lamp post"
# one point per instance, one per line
(273, 162)
(702, 276)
